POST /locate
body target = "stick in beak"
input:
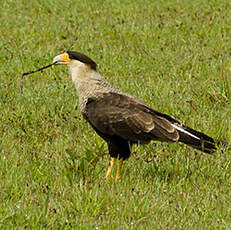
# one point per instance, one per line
(34, 71)
(62, 59)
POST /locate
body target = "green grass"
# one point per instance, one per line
(174, 55)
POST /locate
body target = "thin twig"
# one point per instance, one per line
(47, 66)
(34, 71)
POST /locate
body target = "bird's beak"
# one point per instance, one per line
(62, 59)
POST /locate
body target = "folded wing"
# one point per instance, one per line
(120, 115)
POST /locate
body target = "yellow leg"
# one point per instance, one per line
(110, 168)
(120, 164)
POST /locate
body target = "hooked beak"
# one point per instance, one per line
(62, 59)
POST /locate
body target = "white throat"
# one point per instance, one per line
(88, 82)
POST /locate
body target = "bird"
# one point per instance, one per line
(121, 119)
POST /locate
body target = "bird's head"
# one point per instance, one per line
(72, 58)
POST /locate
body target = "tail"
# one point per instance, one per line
(197, 139)
(194, 138)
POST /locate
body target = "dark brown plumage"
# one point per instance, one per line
(117, 117)
(121, 119)
(82, 58)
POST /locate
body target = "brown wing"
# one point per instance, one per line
(120, 115)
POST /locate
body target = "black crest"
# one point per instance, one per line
(83, 58)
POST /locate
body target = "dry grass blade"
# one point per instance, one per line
(73, 40)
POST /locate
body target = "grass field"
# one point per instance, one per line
(174, 55)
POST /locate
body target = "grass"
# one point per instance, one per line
(174, 55)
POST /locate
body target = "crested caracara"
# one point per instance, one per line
(121, 119)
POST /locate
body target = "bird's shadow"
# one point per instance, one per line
(164, 174)
(162, 166)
